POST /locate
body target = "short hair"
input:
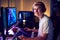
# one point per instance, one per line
(40, 5)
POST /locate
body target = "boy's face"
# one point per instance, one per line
(37, 11)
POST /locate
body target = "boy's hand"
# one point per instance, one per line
(27, 29)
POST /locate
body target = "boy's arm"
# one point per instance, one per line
(43, 37)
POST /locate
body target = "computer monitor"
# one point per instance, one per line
(27, 17)
(8, 18)
(11, 16)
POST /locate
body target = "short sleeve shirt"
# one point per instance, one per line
(45, 26)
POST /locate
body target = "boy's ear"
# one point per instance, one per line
(32, 10)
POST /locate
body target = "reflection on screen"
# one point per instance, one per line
(26, 17)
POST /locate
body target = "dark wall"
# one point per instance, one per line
(55, 16)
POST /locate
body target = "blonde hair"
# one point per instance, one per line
(40, 5)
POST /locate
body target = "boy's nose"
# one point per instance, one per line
(36, 10)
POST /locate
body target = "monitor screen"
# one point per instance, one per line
(11, 15)
(27, 17)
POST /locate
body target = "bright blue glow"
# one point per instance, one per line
(11, 16)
